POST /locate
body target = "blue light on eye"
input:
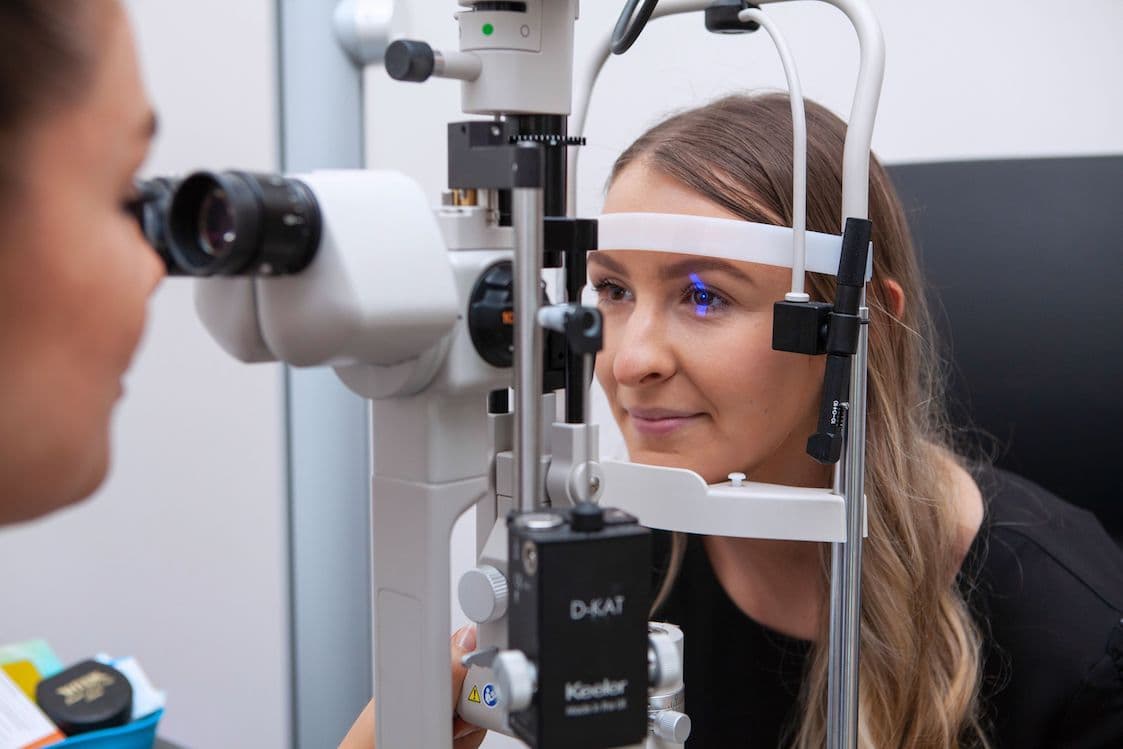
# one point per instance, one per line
(699, 309)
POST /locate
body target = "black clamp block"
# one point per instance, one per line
(570, 236)
(482, 155)
(800, 327)
(721, 17)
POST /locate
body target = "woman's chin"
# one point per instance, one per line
(662, 457)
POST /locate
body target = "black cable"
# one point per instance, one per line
(628, 30)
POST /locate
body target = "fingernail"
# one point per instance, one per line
(465, 637)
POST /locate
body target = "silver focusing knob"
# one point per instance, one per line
(518, 679)
(664, 660)
(671, 725)
(483, 594)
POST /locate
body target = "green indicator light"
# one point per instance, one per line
(488, 29)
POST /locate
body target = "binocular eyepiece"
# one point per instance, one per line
(230, 223)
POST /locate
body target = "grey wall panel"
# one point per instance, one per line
(329, 469)
(1024, 259)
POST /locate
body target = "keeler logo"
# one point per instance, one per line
(577, 691)
(597, 608)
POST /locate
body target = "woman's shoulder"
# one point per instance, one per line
(1028, 530)
(1045, 583)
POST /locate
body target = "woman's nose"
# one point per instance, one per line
(643, 354)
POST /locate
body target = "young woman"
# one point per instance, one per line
(990, 609)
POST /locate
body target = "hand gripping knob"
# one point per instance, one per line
(518, 679)
(483, 594)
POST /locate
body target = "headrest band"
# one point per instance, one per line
(724, 238)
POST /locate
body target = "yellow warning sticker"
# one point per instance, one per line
(474, 695)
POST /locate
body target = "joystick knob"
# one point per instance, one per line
(483, 594)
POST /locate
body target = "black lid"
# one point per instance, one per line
(586, 517)
(86, 697)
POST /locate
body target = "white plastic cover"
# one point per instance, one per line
(725, 238)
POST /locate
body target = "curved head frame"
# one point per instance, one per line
(730, 239)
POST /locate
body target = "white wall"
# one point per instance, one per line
(1011, 78)
(180, 559)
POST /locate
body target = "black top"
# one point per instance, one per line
(1042, 579)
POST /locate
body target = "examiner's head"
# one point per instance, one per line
(75, 271)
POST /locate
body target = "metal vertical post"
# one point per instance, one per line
(328, 436)
(846, 562)
(527, 212)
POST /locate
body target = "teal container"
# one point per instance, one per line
(140, 734)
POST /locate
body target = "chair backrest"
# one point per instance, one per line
(1024, 262)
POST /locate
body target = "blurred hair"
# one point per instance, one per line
(46, 65)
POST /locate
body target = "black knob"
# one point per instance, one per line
(409, 60)
(721, 17)
(586, 517)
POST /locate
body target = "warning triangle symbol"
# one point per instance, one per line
(474, 695)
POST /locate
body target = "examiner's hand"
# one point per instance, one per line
(464, 734)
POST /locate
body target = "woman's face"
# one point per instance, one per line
(688, 365)
(75, 276)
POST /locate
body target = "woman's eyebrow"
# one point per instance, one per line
(607, 262)
(699, 265)
(678, 269)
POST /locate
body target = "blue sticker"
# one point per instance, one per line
(491, 699)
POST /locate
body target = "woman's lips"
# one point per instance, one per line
(660, 423)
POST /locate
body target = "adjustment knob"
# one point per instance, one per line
(664, 660)
(483, 594)
(671, 725)
(410, 60)
(518, 679)
(587, 517)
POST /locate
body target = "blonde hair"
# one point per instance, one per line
(920, 659)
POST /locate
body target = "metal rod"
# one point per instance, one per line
(528, 217)
(834, 673)
(846, 562)
(587, 365)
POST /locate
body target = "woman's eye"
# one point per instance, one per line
(704, 299)
(609, 291)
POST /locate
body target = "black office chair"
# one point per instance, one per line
(1024, 261)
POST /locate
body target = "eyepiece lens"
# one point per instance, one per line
(216, 224)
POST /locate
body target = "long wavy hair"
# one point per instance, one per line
(920, 657)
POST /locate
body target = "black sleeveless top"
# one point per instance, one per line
(1043, 580)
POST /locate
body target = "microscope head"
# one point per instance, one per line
(515, 58)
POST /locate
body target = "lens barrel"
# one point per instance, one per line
(242, 224)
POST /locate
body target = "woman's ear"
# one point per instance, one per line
(894, 297)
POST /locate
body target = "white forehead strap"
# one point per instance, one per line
(724, 238)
